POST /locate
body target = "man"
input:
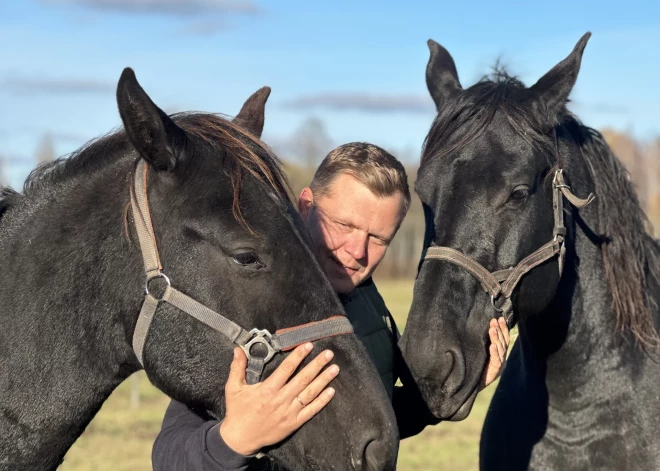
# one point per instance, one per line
(353, 208)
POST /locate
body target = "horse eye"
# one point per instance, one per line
(247, 259)
(520, 193)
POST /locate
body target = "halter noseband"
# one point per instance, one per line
(503, 282)
(283, 339)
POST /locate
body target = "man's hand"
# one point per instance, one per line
(265, 413)
(499, 344)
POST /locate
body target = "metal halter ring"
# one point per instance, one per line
(492, 301)
(160, 275)
(260, 336)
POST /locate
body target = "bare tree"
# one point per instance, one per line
(46, 150)
(408, 155)
(653, 173)
(311, 142)
(626, 148)
(4, 179)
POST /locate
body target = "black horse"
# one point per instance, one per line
(72, 283)
(580, 390)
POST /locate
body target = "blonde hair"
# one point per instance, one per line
(372, 166)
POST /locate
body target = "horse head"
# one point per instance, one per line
(492, 183)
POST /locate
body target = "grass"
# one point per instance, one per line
(121, 435)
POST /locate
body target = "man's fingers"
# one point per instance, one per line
(504, 344)
(495, 366)
(288, 366)
(500, 334)
(505, 330)
(495, 358)
(236, 378)
(496, 342)
(310, 410)
(307, 375)
(312, 391)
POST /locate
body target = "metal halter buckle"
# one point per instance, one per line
(260, 336)
(554, 180)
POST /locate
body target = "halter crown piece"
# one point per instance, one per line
(283, 339)
(503, 282)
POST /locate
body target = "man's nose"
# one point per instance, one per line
(357, 245)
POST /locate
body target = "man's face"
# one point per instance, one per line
(351, 229)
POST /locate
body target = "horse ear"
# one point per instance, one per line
(7, 196)
(441, 75)
(552, 90)
(251, 116)
(153, 134)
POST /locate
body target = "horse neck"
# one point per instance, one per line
(573, 344)
(69, 294)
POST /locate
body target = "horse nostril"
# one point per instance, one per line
(370, 454)
(456, 376)
(313, 466)
(375, 456)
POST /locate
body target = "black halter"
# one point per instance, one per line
(501, 283)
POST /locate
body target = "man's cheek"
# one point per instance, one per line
(378, 254)
(332, 241)
(320, 237)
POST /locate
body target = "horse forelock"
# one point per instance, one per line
(248, 155)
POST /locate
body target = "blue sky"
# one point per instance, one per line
(358, 66)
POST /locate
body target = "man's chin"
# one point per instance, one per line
(343, 284)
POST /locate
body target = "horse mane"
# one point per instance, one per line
(630, 258)
(6, 196)
(247, 154)
(629, 254)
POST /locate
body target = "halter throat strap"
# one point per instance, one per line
(503, 282)
(283, 339)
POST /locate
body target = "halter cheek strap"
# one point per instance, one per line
(283, 339)
(503, 282)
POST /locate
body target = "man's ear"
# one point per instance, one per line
(305, 202)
